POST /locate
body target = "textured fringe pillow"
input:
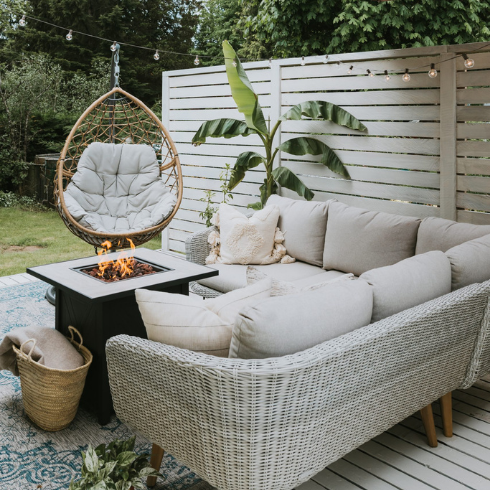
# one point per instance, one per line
(242, 240)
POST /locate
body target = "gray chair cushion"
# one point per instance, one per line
(470, 262)
(118, 189)
(303, 224)
(443, 234)
(358, 240)
(408, 283)
(287, 324)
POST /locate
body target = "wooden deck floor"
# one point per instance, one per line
(400, 458)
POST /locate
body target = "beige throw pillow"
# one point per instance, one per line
(195, 324)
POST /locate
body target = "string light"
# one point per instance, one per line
(432, 71)
(468, 62)
(349, 71)
(303, 62)
(387, 77)
(113, 47)
(370, 73)
(196, 61)
(325, 60)
(406, 76)
(22, 22)
(156, 56)
(69, 36)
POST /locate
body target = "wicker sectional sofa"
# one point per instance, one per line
(271, 424)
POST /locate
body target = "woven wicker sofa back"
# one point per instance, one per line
(271, 424)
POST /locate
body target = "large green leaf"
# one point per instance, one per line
(312, 146)
(245, 98)
(244, 162)
(221, 128)
(286, 178)
(319, 109)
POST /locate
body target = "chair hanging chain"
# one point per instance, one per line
(115, 67)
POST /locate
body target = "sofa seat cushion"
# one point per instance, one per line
(303, 224)
(358, 240)
(234, 276)
(195, 324)
(287, 324)
(443, 234)
(118, 189)
(470, 262)
(408, 283)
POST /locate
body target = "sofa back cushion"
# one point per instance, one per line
(358, 240)
(408, 283)
(287, 324)
(470, 262)
(303, 224)
(443, 234)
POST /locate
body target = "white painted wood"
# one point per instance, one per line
(473, 95)
(482, 60)
(476, 113)
(186, 137)
(165, 122)
(177, 246)
(474, 131)
(468, 183)
(448, 137)
(216, 90)
(9, 281)
(472, 78)
(473, 148)
(208, 114)
(215, 75)
(478, 166)
(475, 202)
(473, 217)
(225, 102)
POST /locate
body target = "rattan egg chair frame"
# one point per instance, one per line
(117, 117)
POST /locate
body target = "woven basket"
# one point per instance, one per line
(51, 396)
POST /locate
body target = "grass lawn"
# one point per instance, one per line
(29, 238)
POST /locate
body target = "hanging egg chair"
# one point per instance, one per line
(119, 174)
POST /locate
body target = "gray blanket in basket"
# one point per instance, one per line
(52, 349)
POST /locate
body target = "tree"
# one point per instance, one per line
(167, 24)
(299, 28)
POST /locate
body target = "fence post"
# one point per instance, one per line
(448, 136)
(275, 114)
(165, 122)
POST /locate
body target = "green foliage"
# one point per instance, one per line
(210, 210)
(248, 104)
(11, 200)
(115, 466)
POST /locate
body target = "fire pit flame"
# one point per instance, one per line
(123, 265)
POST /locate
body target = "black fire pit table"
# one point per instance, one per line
(101, 310)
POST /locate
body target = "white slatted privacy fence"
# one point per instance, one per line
(426, 152)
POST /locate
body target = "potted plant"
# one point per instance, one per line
(115, 467)
(248, 104)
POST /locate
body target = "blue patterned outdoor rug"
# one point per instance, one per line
(29, 456)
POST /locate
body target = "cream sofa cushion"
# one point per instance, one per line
(118, 189)
(287, 324)
(443, 234)
(247, 240)
(470, 262)
(193, 324)
(303, 224)
(358, 240)
(408, 283)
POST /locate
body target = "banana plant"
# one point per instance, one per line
(247, 102)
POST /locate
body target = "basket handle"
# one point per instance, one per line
(32, 348)
(73, 331)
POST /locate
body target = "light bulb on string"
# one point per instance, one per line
(303, 62)
(22, 22)
(406, 76)
(156, 56)
(113, 47)
(387, 77)
(196, 61)
(370, 73)
(69, 36)
(432, 71)
(349, 71)
(325, 60)
(468, 62)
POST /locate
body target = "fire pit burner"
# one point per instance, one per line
(111, 274)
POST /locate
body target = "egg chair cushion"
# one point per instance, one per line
(118, 189)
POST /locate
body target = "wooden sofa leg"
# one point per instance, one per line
(155, 462)
(447, 414)
(429, 425)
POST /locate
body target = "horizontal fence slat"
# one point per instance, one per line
(473, 113)
(477, 202)
(386, 206)
(211, 149)
(375, 97)
(180, 235)
(367, 174)
(473, 148)
(362, 82)
(473, 78)
(474, 218)
(473, 95)
(473, 131)
(225, 102)
(251, 176)
(238, 199)
(364, 189)
(184, 225)
(215, 90)
(176, 246)
(473, 183)
(482, 60)
(478, 166)
(214, 185)
(399, 145)
(208, 114)
(218, 78)
(426, 130)
(186, 137)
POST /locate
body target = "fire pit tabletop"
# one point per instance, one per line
(67, 276)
